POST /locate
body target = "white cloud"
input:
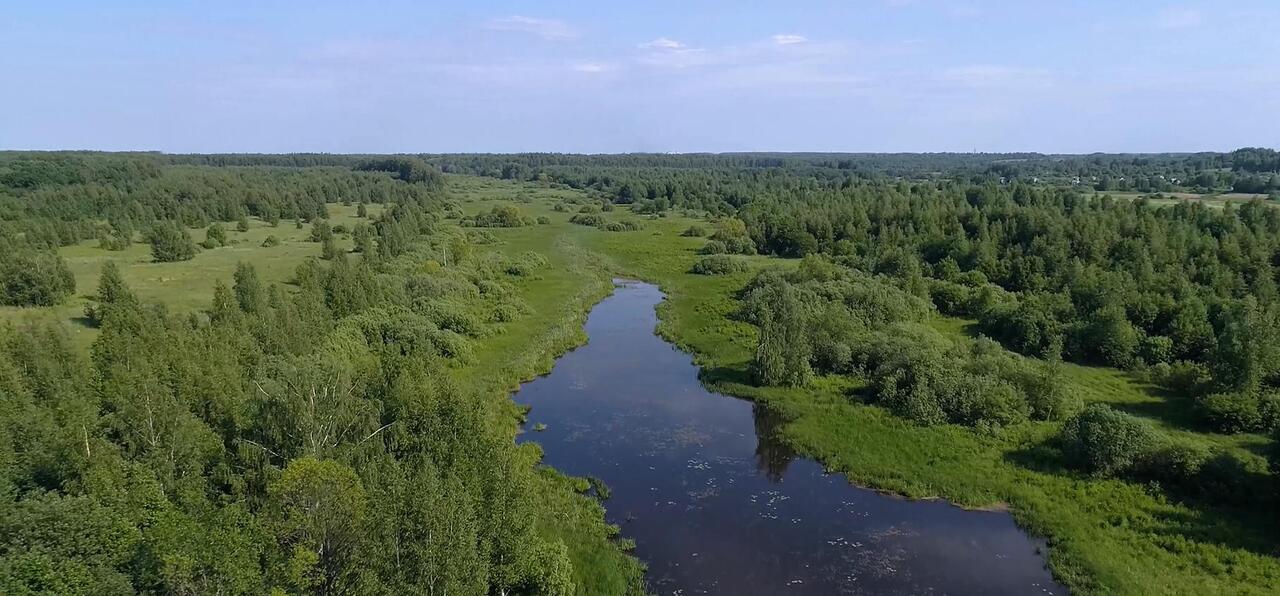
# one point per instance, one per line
(1179, 18)
(544, 28)
(663, 43)
(594, 67)
(785, 39)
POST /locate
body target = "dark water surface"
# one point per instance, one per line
(716, 506)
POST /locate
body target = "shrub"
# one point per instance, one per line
(621, 226)
(1175, 465)
(270, 242)
(505, 313)
(1232, 412)
(719, 265)
(34, 279)
(320, 231)
(525, 264)
(500, 216)
(1156, 349)
(114, 240)
(543, 220)
(588, 219)
(950, 298)
(215, 236)
(1047, 396)
(983, 401)
(694, 231)
(713, 247)
(1182, 377)
(1106, 442)
(1228, 478)
(170, 243)
(733, 233)
(450, 315)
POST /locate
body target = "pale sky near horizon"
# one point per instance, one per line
(1066, 76)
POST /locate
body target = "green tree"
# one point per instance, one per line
(112, 291)
(34, 279)
(317, 518)
(782, 352)
(215, 236)
(1106, 442)
(362, 234)
(170, 243)
(248, 289)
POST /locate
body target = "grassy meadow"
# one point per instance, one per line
(1217, 201)
(187, 286)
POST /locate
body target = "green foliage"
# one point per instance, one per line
(588, 219)
(250, 294)
(30, 278)
(215, 236)
(1241, 412)
(713, 247)
(317, 516)
(719, 265)
(732, 233)
(1106, 442)
(407, 169)
(622, 226)
(303, 439)
(500, 216)
(321, 231)
(170, 243)
(783, 352)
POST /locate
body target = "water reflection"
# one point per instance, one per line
(716, 505)
(772, 455)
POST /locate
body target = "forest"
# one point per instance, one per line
(304, 437)
(311, 434)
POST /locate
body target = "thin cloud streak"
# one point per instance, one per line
(550, 29)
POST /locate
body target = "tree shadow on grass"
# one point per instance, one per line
(718, 375)
(1044, 457)
(1254, 531)
(1170, 409)
(1248, 524)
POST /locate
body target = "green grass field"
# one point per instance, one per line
(187, 286)
(1217, 201)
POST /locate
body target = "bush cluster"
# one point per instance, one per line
(719, 265)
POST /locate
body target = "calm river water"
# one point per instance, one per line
(716, 506)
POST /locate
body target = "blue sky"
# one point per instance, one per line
(583, 76)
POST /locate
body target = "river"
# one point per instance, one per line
(717, 506)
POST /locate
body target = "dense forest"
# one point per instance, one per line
(299, 438)
(707, 180)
